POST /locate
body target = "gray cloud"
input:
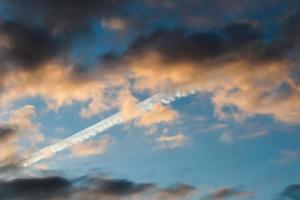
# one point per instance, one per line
(6, 132)
(34, 188)
(241, 39)
(64, 16)
(91, 188)
(27, 47)
(291, 192)
(121, 187)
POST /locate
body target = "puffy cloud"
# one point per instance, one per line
(17, 128)
(157, 115)
(128, 105)
(92, 147)
(22, 118)
(235, 64)
(129, 110)
(172, 142)
(57, 85)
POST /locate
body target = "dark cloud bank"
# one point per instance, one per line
(291, 192)
(39, 31)
(234, 41)
(89, 188)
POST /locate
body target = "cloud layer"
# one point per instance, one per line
(90, 188)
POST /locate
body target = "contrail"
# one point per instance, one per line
(146, 105)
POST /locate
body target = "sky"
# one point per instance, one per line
(66, 65)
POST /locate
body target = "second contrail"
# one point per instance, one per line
(146, 105)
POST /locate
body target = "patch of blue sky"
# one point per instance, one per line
(100, 41)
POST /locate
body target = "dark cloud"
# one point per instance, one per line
(176, 45)
(90, 188)
(64, 16)
(8, 135)
(39, 31)
(120, 187)
(234, 41)
(59, 21)
(291, 192)
(27, 47)
(239, 34)
(291, 29)
(34, 188)
(287, 39)
(238, 40)
(6, 132)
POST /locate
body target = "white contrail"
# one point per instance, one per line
(146, 105)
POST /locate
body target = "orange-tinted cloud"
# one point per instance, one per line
(92, 147)
(17, 128)
(157, 115)
(173, 141)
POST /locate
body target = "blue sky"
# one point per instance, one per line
(65, 66)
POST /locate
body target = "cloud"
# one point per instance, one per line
(34, 188)
(117, 24)
(22, 118)
(6, 133)
(88, 187)
(230, 137)
(230, 62)
(57, 85)
(64, 16)
(172, 142)
(291, 192)
(119, 187)
(157, 115)
(18, 128)
(235, 64)
(287, 157)
(179, 191)
(26, 47)
(130, 110)
(8, 143)
(92, 147)
(226, 137)
(128, 105)
(229, 193)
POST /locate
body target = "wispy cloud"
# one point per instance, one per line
(172, 141)
(287, 157)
